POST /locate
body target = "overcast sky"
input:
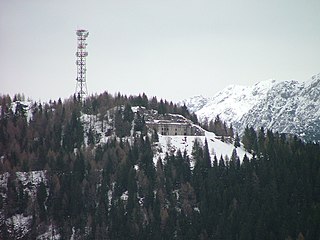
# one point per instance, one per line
(171, 49)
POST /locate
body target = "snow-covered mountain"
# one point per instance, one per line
(284, 106)
(197, 102)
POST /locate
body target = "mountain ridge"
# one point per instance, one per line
(286, 106)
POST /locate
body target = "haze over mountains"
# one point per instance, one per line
(285, 106)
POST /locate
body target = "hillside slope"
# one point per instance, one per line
(97, 171)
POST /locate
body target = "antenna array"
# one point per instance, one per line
(81, 85)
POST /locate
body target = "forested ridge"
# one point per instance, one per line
(113, 190)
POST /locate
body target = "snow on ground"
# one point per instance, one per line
(51, 233)
(19, 225)
(124, 196)
(170, 144)
(216, 147)
(3, 184)
(27, 106)
(100, 127)
(31, 181)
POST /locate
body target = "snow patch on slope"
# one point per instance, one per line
(172, 144)
(31, 181)
(98, 125)
(19, 225)
(51, 233)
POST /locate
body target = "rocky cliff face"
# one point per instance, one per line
(284, 106)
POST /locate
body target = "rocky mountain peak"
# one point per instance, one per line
(284, 106)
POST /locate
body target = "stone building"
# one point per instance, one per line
(167, 127)
(169, 124)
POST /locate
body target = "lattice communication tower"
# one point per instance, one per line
(81, 85)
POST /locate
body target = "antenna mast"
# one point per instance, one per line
(81, 85)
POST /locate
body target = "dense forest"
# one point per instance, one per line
(113, 190)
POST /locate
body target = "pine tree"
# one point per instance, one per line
(41, 198)
(139, 123)
(237, 141)
(206, 155)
